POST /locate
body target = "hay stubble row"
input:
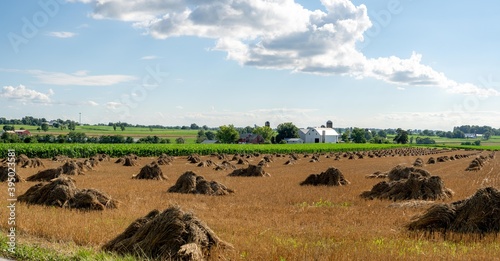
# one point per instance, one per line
(267, 218)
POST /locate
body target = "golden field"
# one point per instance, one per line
(270, 218)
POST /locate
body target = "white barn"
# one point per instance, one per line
(320, 135)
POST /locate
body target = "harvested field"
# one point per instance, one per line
(250, 171)
(129, 160)
(151, 171)
(273, 218)
(62, 192)
(409, 184)
(331, 177)
(479, 213)
(45, 175)
(190, 183)
(170, 235)
(4, 175)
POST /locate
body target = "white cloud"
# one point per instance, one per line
(91, 103)
(62, 34)
(113, 105)
(149, 57)
(282, 34)
(80, 78)
(23, 94)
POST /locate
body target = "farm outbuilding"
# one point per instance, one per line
(320, 134)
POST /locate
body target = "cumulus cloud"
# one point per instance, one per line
(23, 94)
(282, 34)
(62, 34)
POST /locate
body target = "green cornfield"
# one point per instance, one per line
(43, 150)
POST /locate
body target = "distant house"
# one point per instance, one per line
(250, 138)
(473, 135)
(209, 141)
(20, 133)
(320, 134)
(294, 141)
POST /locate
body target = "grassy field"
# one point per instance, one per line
(134, 132)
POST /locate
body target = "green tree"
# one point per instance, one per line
(345, 136)
(210, 135)
(266, 132)
(368, 135)
(72, 126)
(114, 126)
(487, 135)
(201, 136)
(122, 126)
(180, 140)
(401, 136)
(8, 128)
(358, 135)
(10, 138)
(382, 134)
(286, 130)
(45, 126)
(194, 126)
(227, 134)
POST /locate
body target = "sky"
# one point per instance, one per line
(371, 64)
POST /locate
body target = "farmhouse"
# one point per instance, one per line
(319, 134)
(251, 138)
(20, 133)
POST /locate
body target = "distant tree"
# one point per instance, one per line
(425, 140)
(72, 126)
(76, 137)
(382, 134)
(122, 127)
(227, 134)
(266, 132)
(150, 128)
(210, 135)
(368, 135)
(401, 136)
(411, 140)
(427, 133)
(114, 126)
(205, 127)
(201, 136)
(8, 128)
(45, 126)
(180, 140)
(286, 130)
(487, 135)
(458, 134)
(247, 129)
(10, 138)
(194, 126)
(358, 135)
(477, 142)
(345, 136)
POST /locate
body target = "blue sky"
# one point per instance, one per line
(397, 63)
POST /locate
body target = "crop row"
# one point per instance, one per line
(117, 150)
